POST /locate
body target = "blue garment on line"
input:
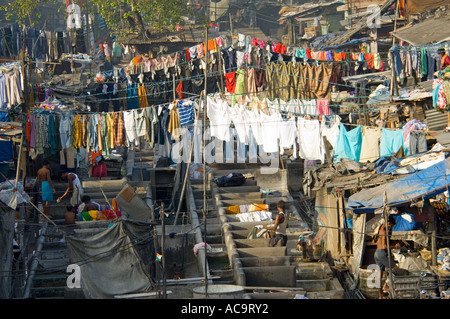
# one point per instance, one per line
(132, 94)
(391, 142)
(186, 112)
(348, 144)
(397, 59)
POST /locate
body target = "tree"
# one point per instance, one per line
(24, 11)
(128, 16)
(121, 16)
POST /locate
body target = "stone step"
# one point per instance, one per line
(248, 195)
(48, 292)
(238, 189)
(214, 239)
(224, 172)
(56, 264)
(50, 280)
(52, 254)
(210, 205)
(261, 251)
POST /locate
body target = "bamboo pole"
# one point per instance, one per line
(188, 164)
(391, 278)
(204, 169)
(156, 244)
(163, 258)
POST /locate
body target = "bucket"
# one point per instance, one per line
(219, 292)
(367, 282)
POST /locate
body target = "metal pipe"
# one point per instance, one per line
(35, 262)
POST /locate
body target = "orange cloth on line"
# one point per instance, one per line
(138, 59)
(212, 45)
(369, 58)
(337, 56)
(323, 55)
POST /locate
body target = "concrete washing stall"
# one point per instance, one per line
(254, 263)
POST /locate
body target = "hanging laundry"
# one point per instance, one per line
(288, 134)
(270, 129)
(179, 90)
(438, 95)
(142, 96)
(186, 112)
(219, 117)
(132, 95)
(329, 129)
(348, 144)
(417, 145)
(391, 142)
(322, 106)
(309, 139)
(230, 80)
(174, 124)
(130, 127)
(370, 145)
(119, 130)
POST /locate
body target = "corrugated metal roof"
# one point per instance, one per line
(437, 121)
(433, 30)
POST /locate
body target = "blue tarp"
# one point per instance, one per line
(403, 224)
(6, 150)
(420, 185)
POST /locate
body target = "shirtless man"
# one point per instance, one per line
(46, 186)
(381, 254)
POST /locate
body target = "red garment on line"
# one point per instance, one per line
(230, 81)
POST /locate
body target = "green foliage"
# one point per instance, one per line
(123, 16)
(23, 11)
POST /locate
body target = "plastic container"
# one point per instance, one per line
(219, 292)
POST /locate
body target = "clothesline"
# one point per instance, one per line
(251, 128)
(151, 84)
(351, 55)
(245, 103)
(433, 46)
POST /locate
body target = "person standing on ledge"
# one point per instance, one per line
(279, 227)
(46, 187)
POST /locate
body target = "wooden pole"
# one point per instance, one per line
(204, 170)
(156, 244)
(163, 258)
(188, 164)
(393, 73)
(391, 278)
(26, 100)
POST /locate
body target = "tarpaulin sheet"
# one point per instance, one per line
(421, 185)
(113, 262)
